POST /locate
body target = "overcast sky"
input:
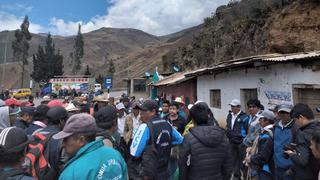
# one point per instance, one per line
(60, 17)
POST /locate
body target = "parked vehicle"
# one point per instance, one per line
(22, 93)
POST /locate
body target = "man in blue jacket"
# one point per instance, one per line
(90, 159)
(282, 136)
(237, 129)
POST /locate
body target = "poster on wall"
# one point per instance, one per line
(278, 97)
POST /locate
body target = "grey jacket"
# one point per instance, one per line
(4, 117)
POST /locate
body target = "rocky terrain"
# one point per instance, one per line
(251, 27)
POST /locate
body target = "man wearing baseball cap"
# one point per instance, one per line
(106, 119)
(90, 159)
(259, 157)
(153, 133)
(237, 129)
(282, 136)
(40, 119)
(121, 117)
(25, 119)
(13, 144)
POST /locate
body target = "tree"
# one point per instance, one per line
(88, 73)
(77, 54)
(47, 62)
(21, 46)
(111, 68)
(100, 79)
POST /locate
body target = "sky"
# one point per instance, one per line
(61, 17)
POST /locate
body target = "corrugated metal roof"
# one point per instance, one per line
(259, 58)
(296, 56)
(173, 79)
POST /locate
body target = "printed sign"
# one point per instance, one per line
(278, 97)
(108, 83)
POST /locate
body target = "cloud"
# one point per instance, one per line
(11, 22)
(16, 7)
(152, 16)
(60, 27)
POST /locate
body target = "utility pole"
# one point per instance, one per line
(128, 69)
(4, 62)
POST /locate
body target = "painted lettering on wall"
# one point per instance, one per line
(278, 97)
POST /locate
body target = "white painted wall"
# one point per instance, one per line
(279, 77)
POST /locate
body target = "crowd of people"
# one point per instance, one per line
(105, 138)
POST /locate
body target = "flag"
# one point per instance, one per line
(154, 90)
(156, 76)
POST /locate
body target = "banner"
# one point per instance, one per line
(278, 97)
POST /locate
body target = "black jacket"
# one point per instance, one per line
(205, 154)
(179, 123)
(21, 124)
(56, 155)
(32, 128)
(240, 127)
(306, 167)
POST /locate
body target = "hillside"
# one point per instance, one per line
(142, 50)
(251, 27)
(239, 29)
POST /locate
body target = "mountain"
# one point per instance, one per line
(239, 29)
(251, 27)
(140, 50)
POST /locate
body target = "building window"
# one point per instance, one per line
(139, 85)
(215, 98)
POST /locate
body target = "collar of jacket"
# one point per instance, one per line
(288, 125)
(310, 124)
(85, 149)
(241, 113)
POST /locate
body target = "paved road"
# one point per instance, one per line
(112, 94)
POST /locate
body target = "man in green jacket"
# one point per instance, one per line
(90, 159)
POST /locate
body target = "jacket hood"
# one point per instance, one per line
(208, 135)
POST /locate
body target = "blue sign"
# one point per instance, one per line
(108, 83)
(84, 87)
(48, 89)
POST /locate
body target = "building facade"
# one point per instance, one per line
(177, 85)
(273, 81)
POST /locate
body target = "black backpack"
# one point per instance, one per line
(156, 156)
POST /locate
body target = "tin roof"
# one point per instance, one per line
(267, 59)
(295, 56)
(173, 79)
